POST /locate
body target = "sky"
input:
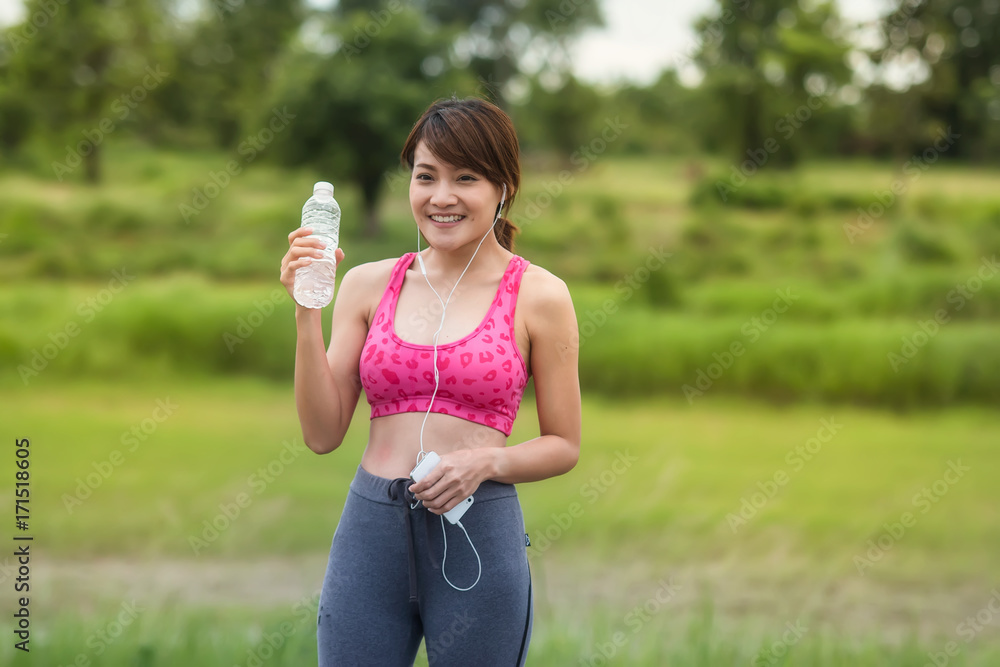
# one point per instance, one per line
(640, 38)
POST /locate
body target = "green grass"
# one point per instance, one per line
(692, 467)
(602, 535)
(660, 516)
(285, 637)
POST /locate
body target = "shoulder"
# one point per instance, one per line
(363, 285)
(544, 296)
(372, 276)
(541, 288)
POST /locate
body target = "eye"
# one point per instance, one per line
(422, 177)
(467, 178)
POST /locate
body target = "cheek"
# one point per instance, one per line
(415, 199)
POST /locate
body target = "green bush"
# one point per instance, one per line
(190, 326)
(850, 361)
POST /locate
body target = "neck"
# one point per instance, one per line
(449, 264)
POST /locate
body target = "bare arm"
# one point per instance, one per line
(553, 332)
(327, 384)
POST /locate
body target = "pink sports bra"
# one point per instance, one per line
(482, 376)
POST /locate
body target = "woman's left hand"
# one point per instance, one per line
(455, 478)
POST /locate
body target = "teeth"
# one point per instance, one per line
(446, 218)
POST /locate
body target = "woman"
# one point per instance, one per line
(391, 578)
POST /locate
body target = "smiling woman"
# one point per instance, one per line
(444, 376)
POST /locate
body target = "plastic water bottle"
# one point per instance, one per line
(314, 283)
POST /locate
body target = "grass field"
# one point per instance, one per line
(658, 515)
(815, 504)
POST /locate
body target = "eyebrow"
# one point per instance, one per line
(424, 165)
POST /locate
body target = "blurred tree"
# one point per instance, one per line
(497, 40)
(356, 105)
(561, 118)
(771, 66)
(958, 43)
(663, 117)
(81, 68)
(15, 111)
(227, 63)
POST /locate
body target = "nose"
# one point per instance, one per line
(442, 194)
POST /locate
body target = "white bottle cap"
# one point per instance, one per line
(323, 186)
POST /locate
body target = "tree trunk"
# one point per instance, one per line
(369, 194)
(92, 165)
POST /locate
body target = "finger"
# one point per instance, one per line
(424, 486)
(294, 266)
(296, 233)
(298, 252)
(308, 241)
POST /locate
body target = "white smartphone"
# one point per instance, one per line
(430, 460)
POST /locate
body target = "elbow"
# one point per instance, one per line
(572, 456)
(322, 446)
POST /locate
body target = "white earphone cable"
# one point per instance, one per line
(444, 307)
(437, 382)
(444, 536)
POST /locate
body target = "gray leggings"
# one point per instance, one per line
(384, 589)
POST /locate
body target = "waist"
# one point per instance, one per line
(375, 488)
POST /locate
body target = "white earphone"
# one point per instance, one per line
(437, 379)
(444, 307)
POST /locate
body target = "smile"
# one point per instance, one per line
(446, 218)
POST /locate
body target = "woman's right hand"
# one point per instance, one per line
(303, 248)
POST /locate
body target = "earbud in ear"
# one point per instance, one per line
(503, 198)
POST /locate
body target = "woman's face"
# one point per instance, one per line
(452, 206)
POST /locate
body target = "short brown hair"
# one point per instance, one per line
(472, 134)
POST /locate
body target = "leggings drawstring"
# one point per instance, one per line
(400, 489)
